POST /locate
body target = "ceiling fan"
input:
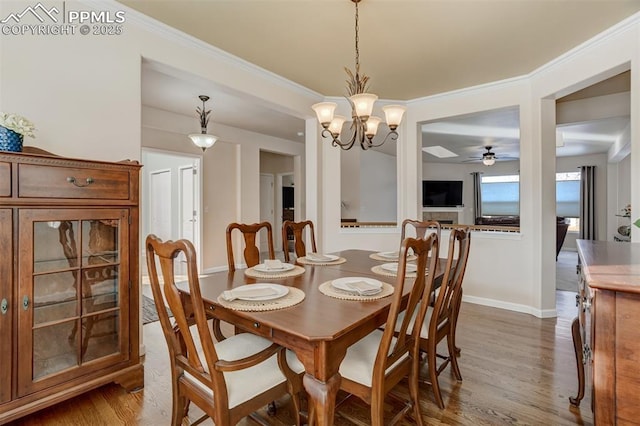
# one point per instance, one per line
(489, 158)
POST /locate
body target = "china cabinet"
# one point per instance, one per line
(68, 279)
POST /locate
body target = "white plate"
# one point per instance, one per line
(393, 267)
(341, 283)
(281, 291)
(389, 254)
(325, 258)
(263, 268)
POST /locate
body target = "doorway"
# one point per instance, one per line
(171, 197)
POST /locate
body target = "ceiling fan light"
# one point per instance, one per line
(393, 115)
(324, 111)
(363, 104)
(488, 160)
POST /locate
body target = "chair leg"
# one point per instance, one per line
(414, 390)
(453, 358)
(178, 410)
(377, 410)
(433, 375)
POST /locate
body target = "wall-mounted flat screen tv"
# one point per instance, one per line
(442, 193)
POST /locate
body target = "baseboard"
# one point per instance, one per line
(516, 307)
(214, 270)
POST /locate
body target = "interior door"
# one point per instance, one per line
(266, 206)
(160, 203)
(189, 204)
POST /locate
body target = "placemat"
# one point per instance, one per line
(380, 271)
(292, 298)
(328, 290)
(251, 272)
(376, 256)
(303, 261)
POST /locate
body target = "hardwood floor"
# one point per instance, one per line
(516, 369)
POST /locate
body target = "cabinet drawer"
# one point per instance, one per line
(5, 180)
(66, 182)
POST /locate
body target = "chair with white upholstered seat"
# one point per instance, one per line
(375, 364)
(228, 380)
(420, 228)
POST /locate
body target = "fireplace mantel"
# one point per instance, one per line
(445, 215)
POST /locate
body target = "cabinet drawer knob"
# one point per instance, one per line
(4, 306)
(73, 180)
(25, 302)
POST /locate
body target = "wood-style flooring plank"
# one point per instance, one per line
(516, 370)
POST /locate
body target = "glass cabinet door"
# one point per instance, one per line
(6, 306)
(71, 291)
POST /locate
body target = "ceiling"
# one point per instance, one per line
(453, 45)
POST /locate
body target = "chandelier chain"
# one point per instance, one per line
(357, 42)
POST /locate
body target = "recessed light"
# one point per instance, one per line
(300, 133)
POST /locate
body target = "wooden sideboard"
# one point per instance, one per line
(69, 303)
(607, 331)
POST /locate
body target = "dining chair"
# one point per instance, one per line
(420, 227)
(375, 364)
(251, 251)
(297, 228)
(441, 317)
(228, 380)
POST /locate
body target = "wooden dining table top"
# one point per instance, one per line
(318, 316)
(320, 328)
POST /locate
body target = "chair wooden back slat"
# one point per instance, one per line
(251, 251)
(299, 247)
(422, 228)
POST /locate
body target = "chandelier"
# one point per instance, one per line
(363, 125)
(203, 140)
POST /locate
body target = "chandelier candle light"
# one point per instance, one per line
(364, 125)
(203, 140)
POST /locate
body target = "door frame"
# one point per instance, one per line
(198, 193)
(278, 211)
(272, 219)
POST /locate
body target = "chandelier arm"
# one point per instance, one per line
(392, 135)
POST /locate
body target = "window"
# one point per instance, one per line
(568, 198)
(500, 195)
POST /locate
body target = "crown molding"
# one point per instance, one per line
(167, 32)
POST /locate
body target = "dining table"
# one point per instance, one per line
(319, 329)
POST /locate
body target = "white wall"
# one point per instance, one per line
(378, 187)
(350, 184)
